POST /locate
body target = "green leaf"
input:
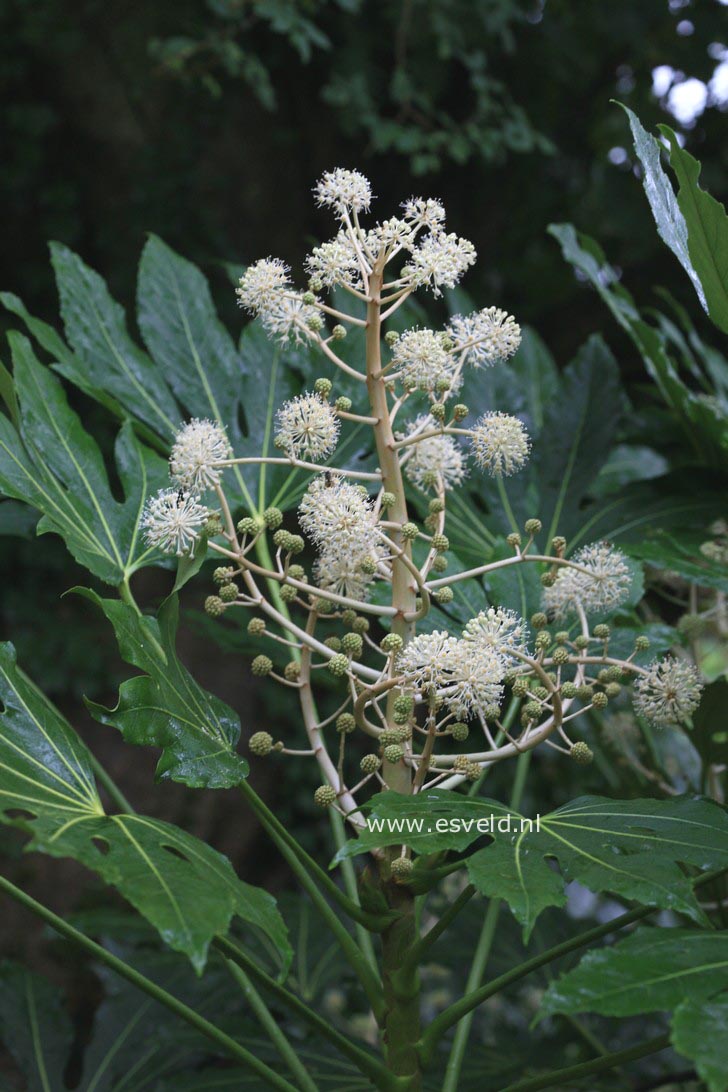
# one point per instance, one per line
(165, 707)
(187, 890)
(650, 971)
(55, 466)
(107, 357)
(700, 1032)
(35, 1027)
(707, 226)
(710, 732)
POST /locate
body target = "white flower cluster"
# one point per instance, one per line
(308, 427)
(503, 630)
(198, 446)
(344, 191)
(339, 519)
(600, 584)
(439, 261)
(423, 212)
(421, 360)
(335, 262)
(264, 290)
(172, 521)
(485, 337)
(433, 460)
(500, 444)
(669, 693)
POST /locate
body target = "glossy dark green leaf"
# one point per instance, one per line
(187, 890)
(56, 467)
(165, 707)
(700, 1032)
(34, 1027)
(652, 970)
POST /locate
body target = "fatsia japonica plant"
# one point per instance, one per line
(327, 516)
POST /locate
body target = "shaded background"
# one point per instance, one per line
(208, 121)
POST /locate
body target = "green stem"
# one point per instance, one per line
(298, 861)
(500, 485)
(220, 1038)
(348, 874)
(560, 1077)
(364, 1061)
(470, 1001)
(423, 945)
(482, 951)
(270, 1026)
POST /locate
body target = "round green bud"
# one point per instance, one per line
(388, 500)
(391, 337)
(581, 642)
(442, 385)
(348, 617)
(472, 771)
(642, 644)
(323, 387)
(272, 518)
(339, 332)
(533, 710)
(543, 639)
(548, 579)
(562, 637)
(360, 625)
(568, 690)
(403, 703)
(213, 526)
(600, 700)
(584, 693)
(261, 666)
(315, 284)
(368, 566)
(460, 764)
(392, 642)
(561, 656)
(352, 644)
(514, 539)
(288, 593)
(520, 688)
(292, 671)
(214, 606)
(315, 322)
(459, 731)
(401, 869)
(443, 595)
(558, 544)
(460, 412)
(394, 752)
(296, 545)
(441, 543)
(256, 627)
(249, 526)
(297, 572)
(223, 574)
(602, 632)
(261, 744)
(439, 564)
(228, 593)
(343, 404)
(324, 796)
(338, 665)
(369, 764)
(581, 753)
(532, 526)
(539, 620)
(345, 723)
(613, 673)
(437, 410)
(409, 531)
(322, 606)
(281, 539)
(612, 689)
(388, 736)
(540, 691)
(334, 643)
(400, 717)
(436, 505)
(309, 299)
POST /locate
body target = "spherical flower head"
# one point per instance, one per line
(439, 261)
(669, 693)
(502, 630)
(335, 262)
(344, 191)
(485, 337)
(287, 316)
(262, 283)
(476, 679)
(433, 460)
(425, 662)
(172, 521)
(600, 584)
(389, 235)
(197, 447)
(345, 573)
(423, 212)
(338, 517)
(308, 428)
(500, 444)
(420, 358)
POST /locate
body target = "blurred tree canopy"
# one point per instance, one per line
(202, 120)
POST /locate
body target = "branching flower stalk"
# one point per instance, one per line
(371, 615)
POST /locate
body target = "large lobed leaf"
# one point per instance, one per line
(632, 848)
(187, 890)
(165, 707)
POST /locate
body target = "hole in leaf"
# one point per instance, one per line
(19, 813)
(101, 845)
(176, 853)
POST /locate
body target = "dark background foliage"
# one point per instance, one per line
(208, 121)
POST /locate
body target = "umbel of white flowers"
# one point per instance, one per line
(420, 686)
